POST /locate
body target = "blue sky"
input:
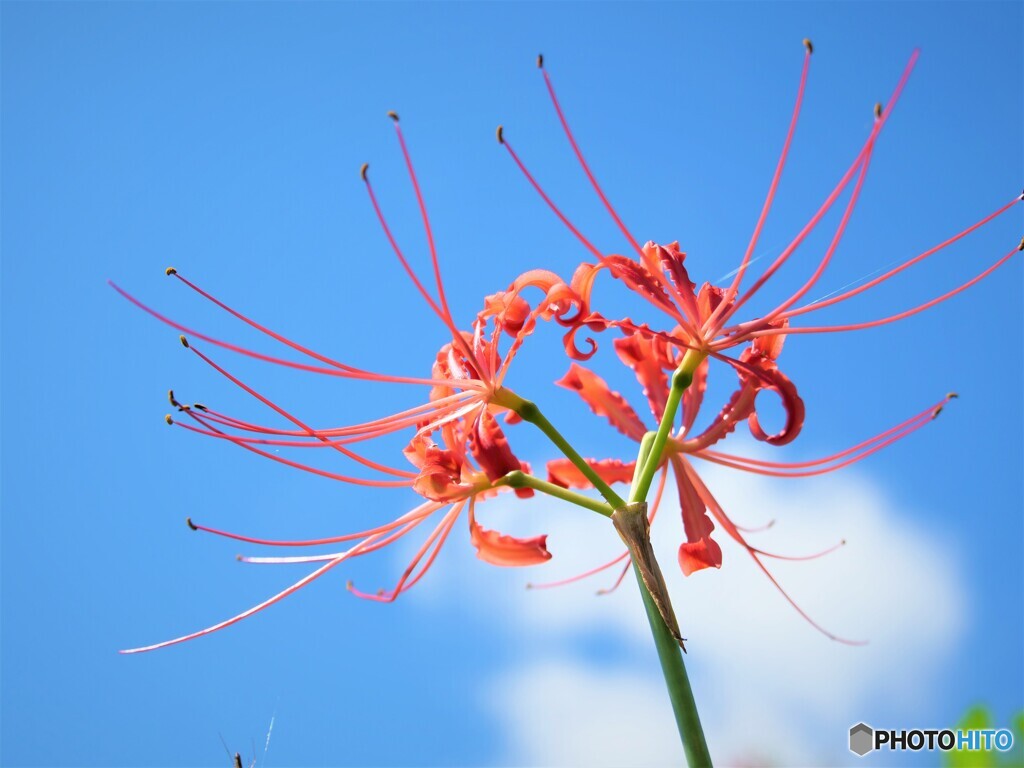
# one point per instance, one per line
(225, 139)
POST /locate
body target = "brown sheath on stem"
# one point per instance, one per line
(635, 531)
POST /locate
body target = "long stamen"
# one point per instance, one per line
(297, 422)
(593, 571)
(618, 582)
(800, 558)
(905, 265)
(741, 271)
(352, 434)
(853, 459)
(339, 369)
(723, 519)
(843, 182)
(426, 219)
(582, 161)
(580, 576)
(925, 416)
(238, 440)
(298, 559)
(439, 534)
(830, 251)
(256, 608)
(544, 195)
(443, 314)
(891, 318)
(423, 510)
(296, 464)
(783, 257)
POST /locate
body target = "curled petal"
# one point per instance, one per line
(566, 474)
(500, 549)
(569, 342)
(509, 310)
(582, 285)
(603, 401)
(739, 407)
(791, 401)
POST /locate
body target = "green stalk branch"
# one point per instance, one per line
(528, 411)
(680, 381)
(519, 479)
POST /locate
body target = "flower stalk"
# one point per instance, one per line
(630, 520)
(660, 614)
(520, 479)
(529, 412)
(678, 683)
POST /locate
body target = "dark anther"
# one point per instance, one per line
(362, 171)
(499, 134)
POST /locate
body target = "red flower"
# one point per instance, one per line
(704, 325)
(457, 451)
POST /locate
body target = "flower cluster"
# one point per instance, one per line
(458, 454)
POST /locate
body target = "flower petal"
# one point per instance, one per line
(566, 474)
(671, 261)
(693, 397)
(699, 551)
(642, 355)
(500, 549)
(603, 401)
(698, 555)
(791, 401)
(490, 448)
(441, 472)
(739, 407)
(640, 280)
(771, 346)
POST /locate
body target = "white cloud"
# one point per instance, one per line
(770, 687)
(562, 713)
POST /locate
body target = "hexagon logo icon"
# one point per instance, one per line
(862, 739)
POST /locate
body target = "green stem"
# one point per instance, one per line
(519, 479)
(676, 680)
(678, 684)
(646, 442)
(681, 379)
(528, 411)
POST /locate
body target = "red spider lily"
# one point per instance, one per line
(465, 394)
(704, 326)
(699, 509)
